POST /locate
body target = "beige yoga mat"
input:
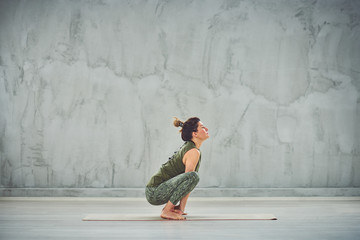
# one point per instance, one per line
(207, 217)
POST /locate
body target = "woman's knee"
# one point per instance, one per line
(194, 176)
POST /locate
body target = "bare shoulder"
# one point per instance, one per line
(193, 152)
(192, 155)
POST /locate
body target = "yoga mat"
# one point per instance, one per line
(207, 217)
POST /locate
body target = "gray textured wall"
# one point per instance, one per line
(88, 89)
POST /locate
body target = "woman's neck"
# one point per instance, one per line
(197, 142)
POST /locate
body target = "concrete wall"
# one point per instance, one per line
(88, 89)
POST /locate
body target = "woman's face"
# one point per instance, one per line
(202, 132)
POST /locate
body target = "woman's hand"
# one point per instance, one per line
(179, 211)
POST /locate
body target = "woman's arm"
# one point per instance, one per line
(191, 159)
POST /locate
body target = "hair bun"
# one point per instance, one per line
(178, 123)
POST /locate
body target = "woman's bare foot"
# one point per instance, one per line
(171, 215)
(168, 212)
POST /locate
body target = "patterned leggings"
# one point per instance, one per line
(172, 190)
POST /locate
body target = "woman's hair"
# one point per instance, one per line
(187, 127)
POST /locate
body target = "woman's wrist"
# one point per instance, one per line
(178, 207)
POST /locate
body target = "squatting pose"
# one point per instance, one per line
(179, 176)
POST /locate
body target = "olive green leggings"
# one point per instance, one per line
(172, 190)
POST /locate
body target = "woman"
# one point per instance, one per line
(179, 176)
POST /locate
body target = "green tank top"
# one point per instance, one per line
(174, 166)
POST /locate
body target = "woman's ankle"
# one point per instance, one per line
(169, 206)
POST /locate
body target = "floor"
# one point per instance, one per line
(298, 218)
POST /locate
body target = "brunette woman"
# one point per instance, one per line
(178, 176)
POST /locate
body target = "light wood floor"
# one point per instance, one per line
(298, 218)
